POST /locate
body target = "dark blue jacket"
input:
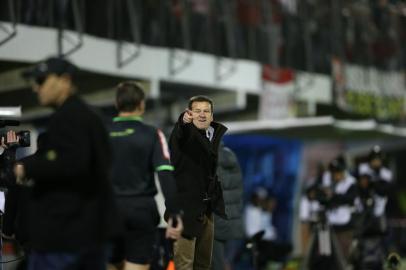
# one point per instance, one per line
(229, 174)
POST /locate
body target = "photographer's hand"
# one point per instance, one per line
(174, 232)
(11, 139)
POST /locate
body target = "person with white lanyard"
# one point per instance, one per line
(341, 193)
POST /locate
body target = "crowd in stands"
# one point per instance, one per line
(302, 35)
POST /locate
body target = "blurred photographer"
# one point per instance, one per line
(374, 184)
(327, 207)
(380, 179)
(310, 200)
(369, 227)
(261, 232)
(340, 194)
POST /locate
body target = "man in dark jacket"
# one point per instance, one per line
(229, 174)
(194, 145)
(72, 206)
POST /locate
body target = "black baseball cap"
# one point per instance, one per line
(337, 165)
(52, 65)
(375, 153)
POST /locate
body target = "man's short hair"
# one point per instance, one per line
(129, 96)
(200, 99)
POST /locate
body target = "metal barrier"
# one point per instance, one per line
(224, 67)
(134, 18)
(178, 61)
(62, 7)
(13, 19)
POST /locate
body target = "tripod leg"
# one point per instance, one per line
(305, 264)
(1, 241)
(255, 256)
(342, 262)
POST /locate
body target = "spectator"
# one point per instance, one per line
(249, 17)
(260, 230)
(200, 25)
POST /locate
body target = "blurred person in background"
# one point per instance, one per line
(200, 25)
(249, 19)
(257, 218)
(260, 230)
(194, 144)
(339, 195)
(310, 206)
(139, 151)
(381, 178)
(329, 212)
(151, 21)
(227, 230)
(374, 184)
(71, 204)
(367, 250)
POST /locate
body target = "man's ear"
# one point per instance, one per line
(142, 106)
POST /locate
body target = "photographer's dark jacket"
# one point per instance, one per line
(342, 201)
(72, 206)
(229, 174)
(195, 160)
(381, 184)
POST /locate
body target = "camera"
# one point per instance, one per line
(8, 117)
(24, 139)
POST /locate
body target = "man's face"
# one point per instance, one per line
(376, 163)
(338, 176)
(48, 90)
(202, 114)
(364, 182)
